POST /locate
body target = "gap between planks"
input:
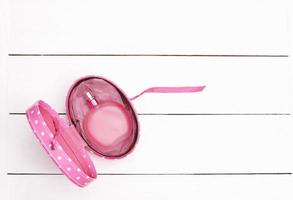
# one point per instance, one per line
(157, 55)
(175, 114)
(159, 174)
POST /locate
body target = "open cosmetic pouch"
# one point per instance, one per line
(101, 120)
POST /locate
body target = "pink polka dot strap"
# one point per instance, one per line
(62, 143)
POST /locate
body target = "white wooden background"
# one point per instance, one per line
(233, 141)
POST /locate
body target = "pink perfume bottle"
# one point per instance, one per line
(107, 124)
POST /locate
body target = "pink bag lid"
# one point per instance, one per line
(62, 143)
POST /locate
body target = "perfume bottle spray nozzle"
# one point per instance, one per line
(91, 99)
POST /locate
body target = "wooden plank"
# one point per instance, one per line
(149, 27)
(234, 85)
(177, 144)
(153, 187)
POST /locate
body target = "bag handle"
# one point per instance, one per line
(187, 89)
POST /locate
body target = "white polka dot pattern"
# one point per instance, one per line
(80, 175)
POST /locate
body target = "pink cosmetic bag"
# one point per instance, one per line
(101, 120)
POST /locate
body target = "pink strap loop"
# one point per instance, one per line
(170, 90)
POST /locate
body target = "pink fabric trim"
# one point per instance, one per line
(170, 90)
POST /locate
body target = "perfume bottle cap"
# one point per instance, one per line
(91, 99)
